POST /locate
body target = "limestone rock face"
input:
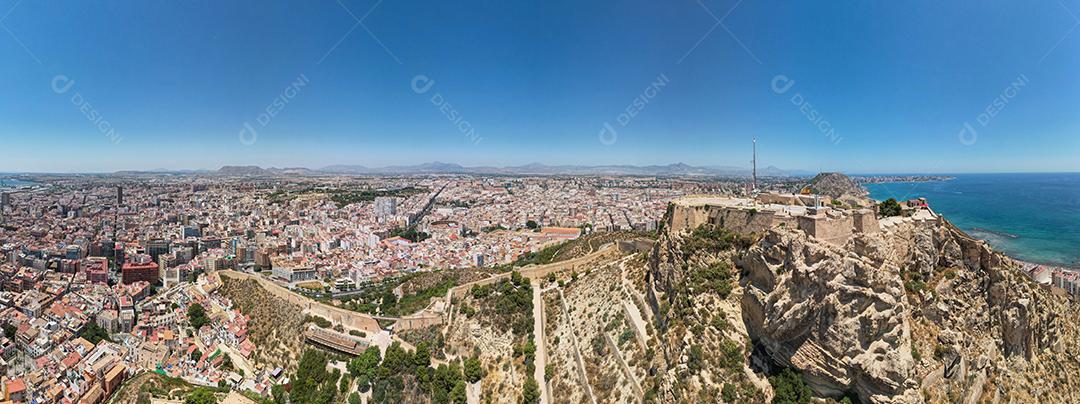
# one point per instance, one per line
(918, 312)
(839, 318)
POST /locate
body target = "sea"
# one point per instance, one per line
(1031, 217)
(15, 183)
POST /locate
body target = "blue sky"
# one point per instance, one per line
(901, 85)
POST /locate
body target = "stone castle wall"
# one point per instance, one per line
(866, 222)
(415, 322)
(687, 217)
(739, 219)
(830, 229)
(835, 229)
(743, 220)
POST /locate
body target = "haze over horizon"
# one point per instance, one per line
(857, 88)
(425, 168)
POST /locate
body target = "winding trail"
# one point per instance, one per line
(541, 344)
(631, 309)
(625, 368)
(577, 353)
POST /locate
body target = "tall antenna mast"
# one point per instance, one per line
(754, 162)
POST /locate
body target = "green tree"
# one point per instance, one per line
(474, 370)
(532, 224)
(197, 316)
(363, 383)
(409, 234)
(94, 333)
(200, 396)
(457, 393)
(889, 208)
(718, 276)
(731, 354)
(422, 356)
(531, 392)
(354, 398)
(728, 393)
(279, 394)
(397, 359)
(389, 390)
(226, 362)
(517, 279)
(789, 388)
(313, 384)
(10, 330)
(366, 363)
(346, 382)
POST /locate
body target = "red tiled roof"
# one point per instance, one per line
(71, 360)
(16, 386)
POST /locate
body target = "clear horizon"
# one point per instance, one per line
(793, 171)
(876, 88)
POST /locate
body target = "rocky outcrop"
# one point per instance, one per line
(840, 318)
(919, 312)
(836, 186)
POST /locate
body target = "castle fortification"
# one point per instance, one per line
(745, 215)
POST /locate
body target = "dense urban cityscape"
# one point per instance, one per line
(116, 285)
(553, 202)
(100, 272)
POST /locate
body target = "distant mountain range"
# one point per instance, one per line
(677, 169)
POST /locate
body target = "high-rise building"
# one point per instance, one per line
(119, 195)
(156, 248)
(385, 206)
(192, 231)
(5, 200)
(97, 270)
(140, 268)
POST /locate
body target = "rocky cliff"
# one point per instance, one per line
(920, 312)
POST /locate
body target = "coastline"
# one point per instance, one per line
(1027, 217)
(1025, 262)
(1028, 264)
(901, 179)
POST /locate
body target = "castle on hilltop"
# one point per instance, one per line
(768, 210)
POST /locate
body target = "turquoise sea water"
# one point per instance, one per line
(1033, 217)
